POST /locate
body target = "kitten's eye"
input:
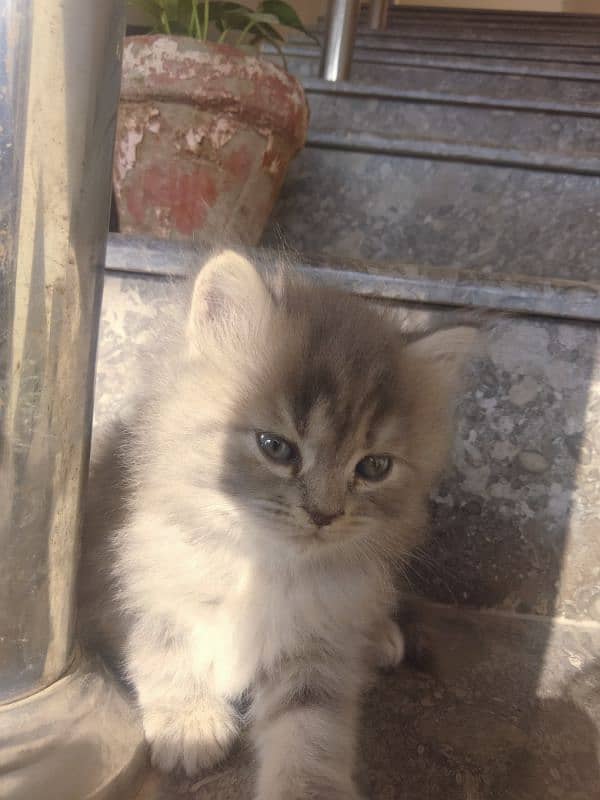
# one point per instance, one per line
(374, 468)
(276, 448)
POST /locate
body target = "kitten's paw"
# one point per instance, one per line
(195, 738)
(390, 651)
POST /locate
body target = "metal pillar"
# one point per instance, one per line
(66, 732)
(342, 20)
(378, 14)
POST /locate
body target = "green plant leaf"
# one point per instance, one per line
(248, 15)
(191, 18)
(228, 15)
(235, 20)
(265, 31)
(220, 7)
(286, 16)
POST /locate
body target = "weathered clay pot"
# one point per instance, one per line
(204, 137)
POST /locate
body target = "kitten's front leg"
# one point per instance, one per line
(186, 723)
(305, 731)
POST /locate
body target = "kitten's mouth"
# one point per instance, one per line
(324, 535)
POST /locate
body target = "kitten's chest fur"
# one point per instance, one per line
(265, 617)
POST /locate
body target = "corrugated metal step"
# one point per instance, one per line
(368, 202)
(571, 93)
(581, 36)
(481, 17)
(535, 49)
(471, 127)
(303, 61)
(437, 13)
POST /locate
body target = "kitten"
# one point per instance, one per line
(276, 472)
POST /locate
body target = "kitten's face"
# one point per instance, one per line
(317, 453)
(328, 427)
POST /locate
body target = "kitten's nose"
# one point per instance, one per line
(321, 519)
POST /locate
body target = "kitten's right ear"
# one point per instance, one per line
(433, 369)
(228, 301)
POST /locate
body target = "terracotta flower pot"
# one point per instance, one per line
(204, 137)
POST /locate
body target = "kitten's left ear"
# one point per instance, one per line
(228, 300)
(434, 367)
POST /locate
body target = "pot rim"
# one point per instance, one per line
(165, 68)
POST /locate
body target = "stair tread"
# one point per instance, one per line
(363, 58)
(585, 39)
(436, 211)
(534, 50)
(389, 279)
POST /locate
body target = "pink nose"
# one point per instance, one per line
(321, 519)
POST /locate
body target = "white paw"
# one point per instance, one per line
(195, 738)
(391, 648)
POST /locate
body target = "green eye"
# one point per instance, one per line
(276, 448)
(374, 468)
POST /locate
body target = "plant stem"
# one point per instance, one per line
(195, 22)
(275, 44)
(165, 22)
(221, 38)
(244, 32)
(206, 19)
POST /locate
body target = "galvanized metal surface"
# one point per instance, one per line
(78, 739)
(501, 26)
(486, 15)
(466, 153)
(498, 220)
(53, 224)
(303, 60)
(547, 94)
(451, 45)
(585, 38)
(62, 736)
(383, 281)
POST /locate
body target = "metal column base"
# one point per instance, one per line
(79, 739)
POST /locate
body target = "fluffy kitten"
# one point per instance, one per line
(277, 470)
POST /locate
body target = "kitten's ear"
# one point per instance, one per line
(228, 300)
(434, 367)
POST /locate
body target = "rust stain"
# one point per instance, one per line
(239, 162)
(186, 195)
